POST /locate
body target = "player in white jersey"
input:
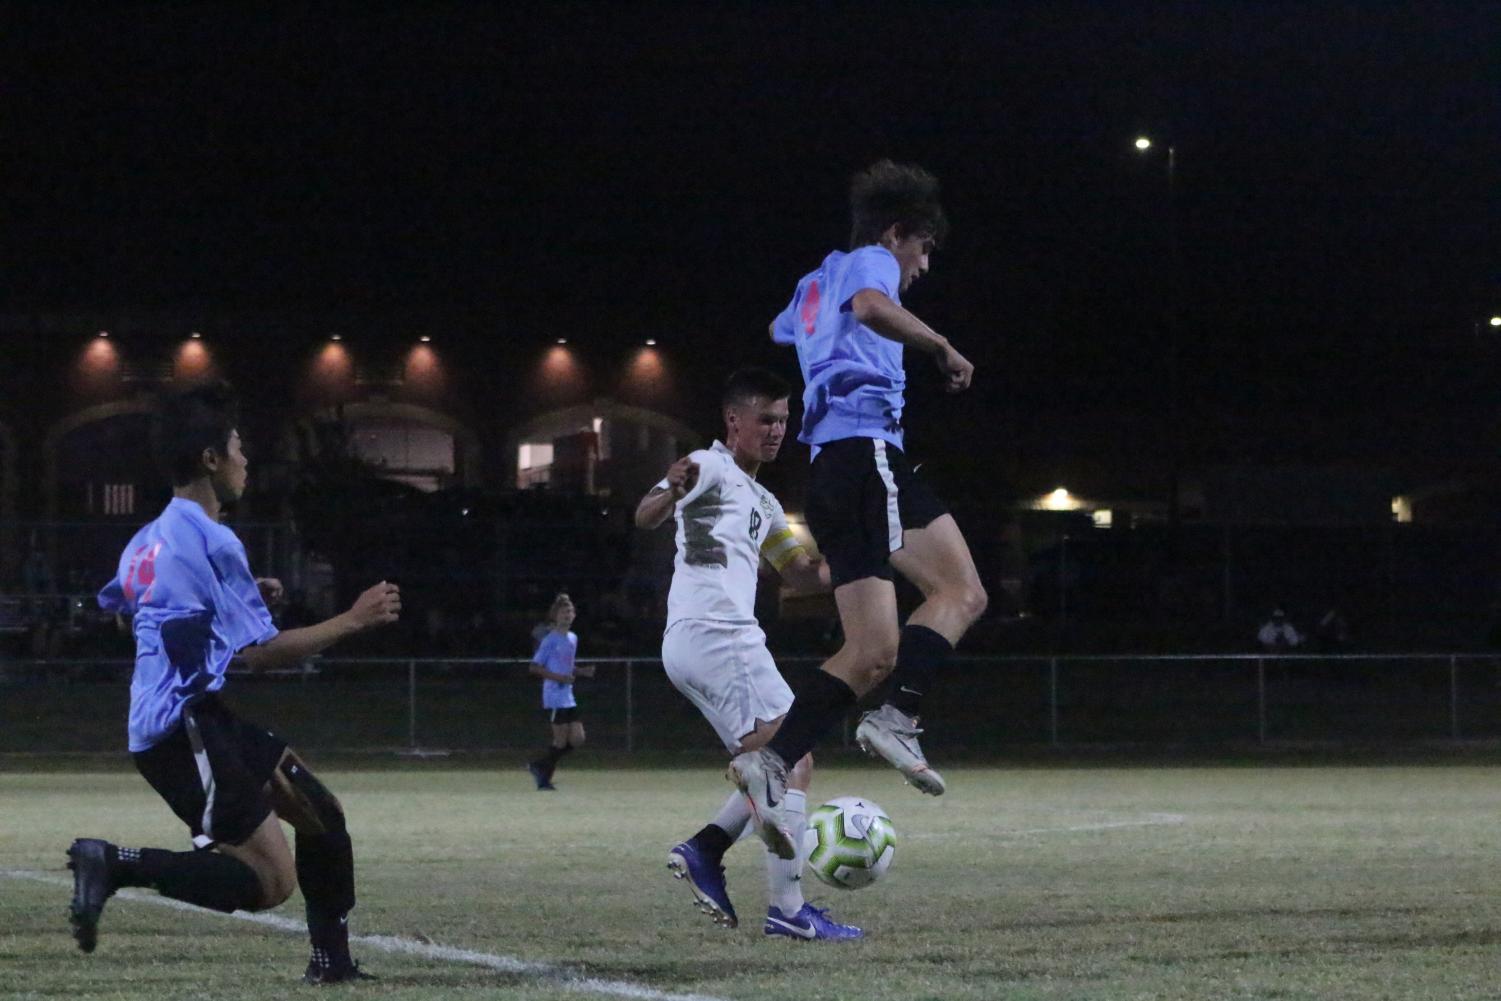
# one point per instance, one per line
(715, 652)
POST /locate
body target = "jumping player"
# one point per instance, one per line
(185, 581)
(715, 652)
(554, 664)
(867, 509)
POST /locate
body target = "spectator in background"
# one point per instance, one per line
(1278, 634)
(1332, 635)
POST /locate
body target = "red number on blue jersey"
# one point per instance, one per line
(809, 313)
(142, 572)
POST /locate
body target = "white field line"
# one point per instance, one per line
(562, 977)
(1150, 820)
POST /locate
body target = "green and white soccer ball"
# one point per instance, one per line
(850, 842)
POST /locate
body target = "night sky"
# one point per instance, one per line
(671, 171)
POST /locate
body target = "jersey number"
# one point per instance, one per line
(809, 312)
(142, 572)
(755, 525)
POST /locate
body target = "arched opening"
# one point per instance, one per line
(409, 443)
(603, 449)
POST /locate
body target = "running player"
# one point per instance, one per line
(554, 664)
(867, 509)
(715, 652)
(186, 582)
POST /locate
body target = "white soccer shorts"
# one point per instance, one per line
(725, 669)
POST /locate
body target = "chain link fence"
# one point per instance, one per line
(983, 705)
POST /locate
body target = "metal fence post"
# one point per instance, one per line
(1053, 701)
(630, 707)
(1453, 697)
(1260, 700)
(412, 705)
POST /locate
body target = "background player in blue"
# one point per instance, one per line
(554, 664)
(185, 581)
(866, 508)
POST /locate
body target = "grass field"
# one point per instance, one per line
(1077, 883)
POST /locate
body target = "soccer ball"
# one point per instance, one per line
(850, 842)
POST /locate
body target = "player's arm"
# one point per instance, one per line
(875, 309)
(541, 671)
(657, 506)
(378, 606)
(807, 574)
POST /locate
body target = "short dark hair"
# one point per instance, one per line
(189, 421)
(747, 383)
(903, 195)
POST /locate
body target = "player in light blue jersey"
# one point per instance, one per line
(194, 606)
(554, 664)
(866, 508)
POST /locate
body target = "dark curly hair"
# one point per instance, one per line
(887, 194)
(189, 421)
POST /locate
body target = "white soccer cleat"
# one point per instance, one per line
(762, 776)
(889, 733)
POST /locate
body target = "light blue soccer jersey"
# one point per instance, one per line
(556, 654)
(853, 376)
(186, 582)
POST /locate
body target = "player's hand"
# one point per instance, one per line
(682, 476)
(957, 370)
(271, 590)
(378, 606)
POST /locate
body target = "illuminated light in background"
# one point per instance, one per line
(1496, 321)
(331, 373)
(192, 361)
(426, 338)
(98, 368)
(1402, 505)
(423, 371)
(562, 340)
(651, 342)
(336, 337)
(196, 335)
(1059, 500)
(647, 373)
(1143, 143)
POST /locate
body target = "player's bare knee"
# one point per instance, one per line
(276, 885)
(577, 737)
(973, 600)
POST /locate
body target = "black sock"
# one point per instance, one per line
(714, 839)
(550, 759)
(325, 871)
(921, 653)
(817, 707)
(205, 878)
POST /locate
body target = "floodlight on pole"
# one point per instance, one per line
(1143, 143)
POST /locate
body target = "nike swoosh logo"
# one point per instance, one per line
(797, 930)
(909, 691)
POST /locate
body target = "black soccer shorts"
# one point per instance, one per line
(862, 494)
(559, 717)
(213, 770)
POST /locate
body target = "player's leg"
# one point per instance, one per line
(788, 915)
(937, 560)
(934, 557)
(324, 866)
(700, 859)
(867, 611)
(576, 735)
(544, 765)
(210, 752)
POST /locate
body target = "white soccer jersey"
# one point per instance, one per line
(725, 525)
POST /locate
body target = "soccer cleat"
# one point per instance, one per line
(809, 924)
(541, 777)
(92, 886)
(705, 878)
(318, 973)
(762, 776)
(889, 733)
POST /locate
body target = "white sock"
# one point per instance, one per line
(784, 877)
(734, 817)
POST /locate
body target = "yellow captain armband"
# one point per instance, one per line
(780, 548)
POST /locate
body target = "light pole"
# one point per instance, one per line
(1144, 146)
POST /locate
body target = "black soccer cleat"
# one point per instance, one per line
(319, 974)
(92, 886)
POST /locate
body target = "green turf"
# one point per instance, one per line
(1297, 883)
